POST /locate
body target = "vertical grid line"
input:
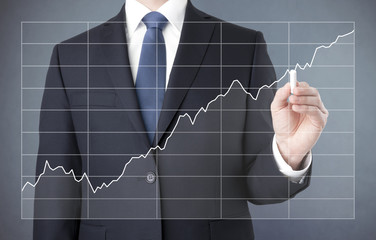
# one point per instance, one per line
(354, 125)
(21, 127)
(220, 119)
(88, 117)
(156, 117)
(288, 119)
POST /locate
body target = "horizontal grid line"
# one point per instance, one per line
(188, 176)
(190, 199)
(178, 154)
(174, 88)
(187, 43)
(177, 66)
(179, 132)
(239, 21)
(188, 218)
(162, 110)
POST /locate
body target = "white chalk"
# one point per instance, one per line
(293, 80)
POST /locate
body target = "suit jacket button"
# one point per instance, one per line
(150, 177)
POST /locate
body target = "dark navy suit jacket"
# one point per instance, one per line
(207, 172)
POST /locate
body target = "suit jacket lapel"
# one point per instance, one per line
(117, 54)
(196, 29)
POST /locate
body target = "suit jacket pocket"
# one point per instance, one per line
(92, 232)
(96, 99)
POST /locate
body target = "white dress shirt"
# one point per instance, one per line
(174, 11)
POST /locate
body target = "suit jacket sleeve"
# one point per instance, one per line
(56, 142)
(266, 184)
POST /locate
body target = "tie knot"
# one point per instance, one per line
(155, 20)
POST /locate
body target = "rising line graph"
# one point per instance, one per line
(186, 115)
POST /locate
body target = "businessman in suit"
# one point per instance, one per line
(119, 90)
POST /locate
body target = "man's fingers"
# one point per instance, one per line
(280, 98)
(302, 84)
(309, 91)
(305, 95)
(305, 100)
(313, 111)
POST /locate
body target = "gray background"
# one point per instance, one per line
(13, 12)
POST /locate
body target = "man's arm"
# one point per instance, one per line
(266, 183)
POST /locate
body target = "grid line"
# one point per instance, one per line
(221, 66)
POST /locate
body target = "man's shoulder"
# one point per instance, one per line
(74, 49)
(86, 36)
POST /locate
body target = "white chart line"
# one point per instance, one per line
(192, 121)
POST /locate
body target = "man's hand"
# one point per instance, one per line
(299, 122)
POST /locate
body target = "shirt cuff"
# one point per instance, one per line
(285, 169)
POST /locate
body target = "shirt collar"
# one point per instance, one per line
(173, 10)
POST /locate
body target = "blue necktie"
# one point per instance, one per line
(151, 73)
